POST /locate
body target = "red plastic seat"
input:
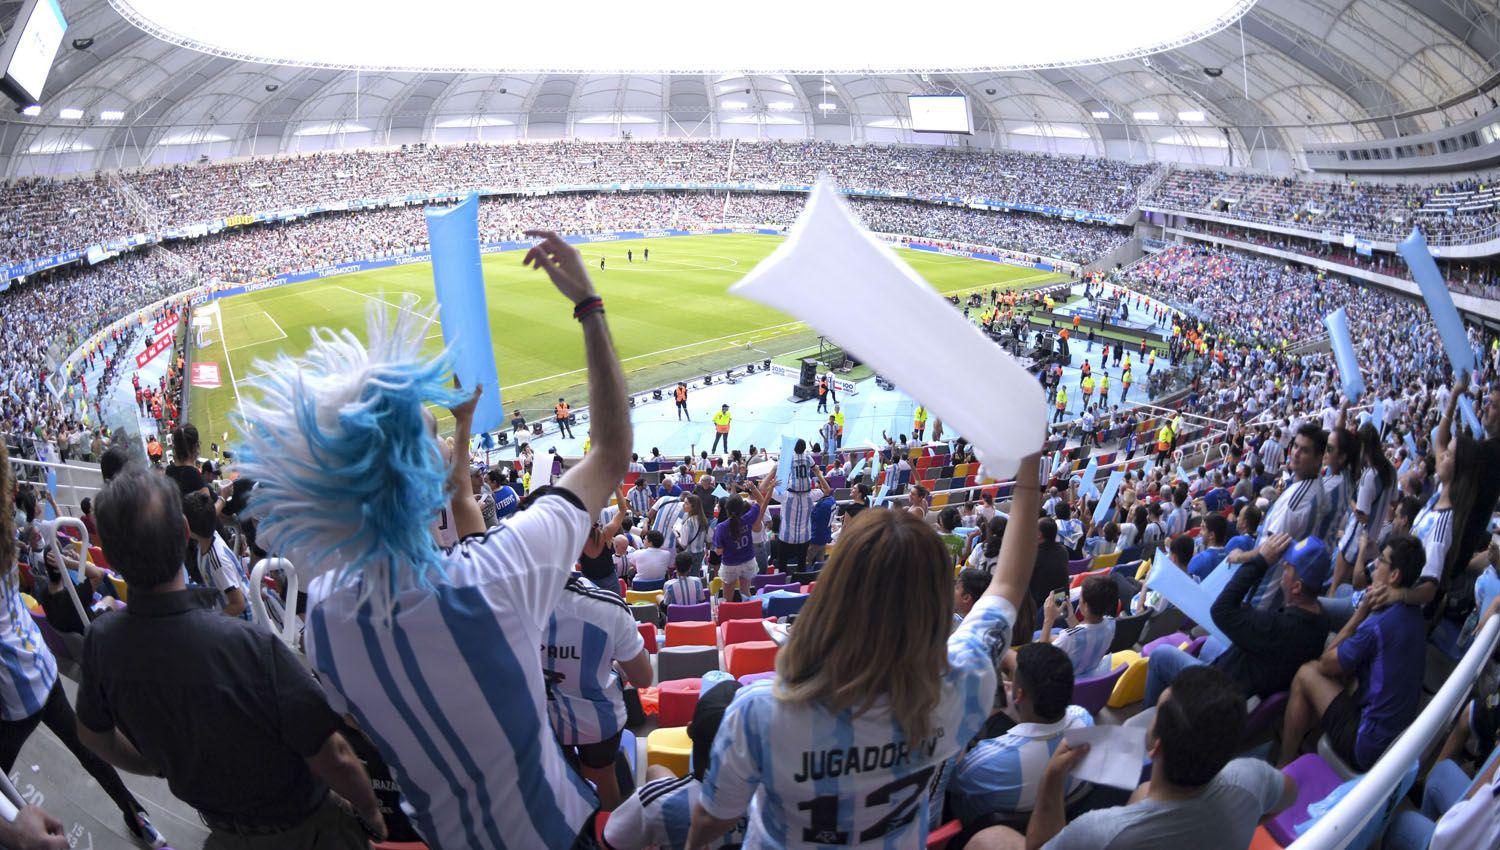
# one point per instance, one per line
(690, 633)
(742, 631)
(757, 656)
(648, 634)
(676, 700)
(739, 611)
(938, 839)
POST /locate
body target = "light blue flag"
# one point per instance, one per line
(858, 468)
(1337, 323)
(1471, 419)
(1377, 414)
(1405, 465)
(784, 465)
(1150, 465)
(881, 496)
(1088, 487)
(720, 492)
(1179, 589)
(1411, 444)
(1213, 584)
(1439, 301)
(458, 279)
(1107, 499)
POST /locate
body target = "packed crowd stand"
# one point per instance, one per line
(489, 641)
(1369, 209)
(62, 309)
(43, 216)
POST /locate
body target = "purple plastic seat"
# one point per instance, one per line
(1197, 645)
(702, 612)
(759, 581)
(792, 587)
(1315, 780)
(1094, 693)
(756, 677)
(1173, 639)
(1265, 716)
(1079, 566)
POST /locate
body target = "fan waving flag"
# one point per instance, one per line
(459, 280)
(1337, 323)
(1439, 301)
(904, 329)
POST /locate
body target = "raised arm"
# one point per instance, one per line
(467, 518)
(1018, 550)
(1445, 425)
(601, 469)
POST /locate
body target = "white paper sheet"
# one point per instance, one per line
(1115, 757)
(855, 290)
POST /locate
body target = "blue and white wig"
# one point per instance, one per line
(348, 475)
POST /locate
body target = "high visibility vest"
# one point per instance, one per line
(921, 416)
(1104, 381)
(1088, 384)
(1164, 438)
(562, 411)
(1062, 398)
(721, 422)
(838, 419)
(681, 394)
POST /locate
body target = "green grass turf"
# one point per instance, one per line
(671, 317)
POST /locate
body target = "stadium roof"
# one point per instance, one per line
(1285, 74)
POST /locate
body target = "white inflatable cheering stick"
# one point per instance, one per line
(854, 289)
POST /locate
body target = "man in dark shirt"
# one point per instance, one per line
(1050, 573)
(221, 708)
(1267, 647)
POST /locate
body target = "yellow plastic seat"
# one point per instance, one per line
(671, 748)
(715, 586)
(652, 596)
(1105, 562)
(122, 590)
(1145, 567)
(1130, 688)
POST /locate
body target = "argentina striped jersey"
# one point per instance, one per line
(30, 668)
(844, 779)
(658, 815)
(450, 689)
(589, 630)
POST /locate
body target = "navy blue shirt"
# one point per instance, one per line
(822, 520)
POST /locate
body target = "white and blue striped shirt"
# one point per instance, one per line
(1434, 527)
(451, 691)
(1002, 775)
(224, 571)
(668, 510)
(589, 631)
(1297, 513)
(1087, 645)
(30, 668)
(640, 500)
(846, 779)
(658, 815)
(1337, 487)
(683, 590)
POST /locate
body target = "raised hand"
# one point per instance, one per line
(562, 264)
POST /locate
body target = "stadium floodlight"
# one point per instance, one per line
(32, 111)
(734, 104)
(457, 36)
(828, 107)
(111, 115)
(780, 105)
(1190, 115)
(1100, 114)
(1146, 116)
(70, 113)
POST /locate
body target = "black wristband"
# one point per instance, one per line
(587, 305)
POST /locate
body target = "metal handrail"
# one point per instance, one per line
(83, 535)
(1348, 817)
(290, 626)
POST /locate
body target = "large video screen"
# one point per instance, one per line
(29, 49)
(940, 113)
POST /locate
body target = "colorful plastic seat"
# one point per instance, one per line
(676, 700)
(647, 585)
(1315, 780)
(700, 613)
(671, 748)
(1130, 688)
(685, 662)
(751, 678)
(785, 606)
(1094, 692)
(751, 610)
(741, 631)
(1174, 639)
(757, 656)
(648, 636)
(634, 596)
(690, 632)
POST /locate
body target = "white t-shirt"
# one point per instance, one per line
(820, 779)
(589, 630)
(651, 563)
(451, 689)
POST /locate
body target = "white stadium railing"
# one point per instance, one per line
(1367, 800)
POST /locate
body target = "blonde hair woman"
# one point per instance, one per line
(872, 693)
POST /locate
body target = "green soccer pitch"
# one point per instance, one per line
(671, 317)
